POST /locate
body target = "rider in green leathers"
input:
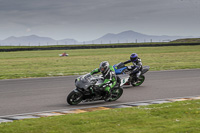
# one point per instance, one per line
(109, 76)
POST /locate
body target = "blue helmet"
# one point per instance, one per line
(133, 57)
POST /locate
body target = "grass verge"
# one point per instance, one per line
(182, 117)
(25, 64)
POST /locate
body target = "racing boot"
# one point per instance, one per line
(137, 76)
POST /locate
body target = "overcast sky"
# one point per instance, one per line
(89, 19)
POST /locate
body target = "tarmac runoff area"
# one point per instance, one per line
(11, 118)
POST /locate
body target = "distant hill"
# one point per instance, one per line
(187, 40)
(132, 36)
(123, 37)
(35, 40)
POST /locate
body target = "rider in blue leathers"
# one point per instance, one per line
(137, 64)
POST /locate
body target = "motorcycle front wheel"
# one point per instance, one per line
(116, 94)
(74, 98)
(139, 82)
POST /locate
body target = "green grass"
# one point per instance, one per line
(177, 117)
(187, 40)
(24, 64)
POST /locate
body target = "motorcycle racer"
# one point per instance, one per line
(109, 76)
(137, 64)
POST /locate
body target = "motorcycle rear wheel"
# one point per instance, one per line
(74, 98)
(139, 82)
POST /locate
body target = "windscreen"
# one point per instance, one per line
(120, 65)
(84, 81)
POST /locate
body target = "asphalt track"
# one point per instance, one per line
(20, 96)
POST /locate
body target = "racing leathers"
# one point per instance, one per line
(136, 68)
(109, 76)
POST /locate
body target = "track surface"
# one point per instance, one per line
(43, 94)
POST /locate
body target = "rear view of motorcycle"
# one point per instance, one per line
(121, 69)
(87, 89)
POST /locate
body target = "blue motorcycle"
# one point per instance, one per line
(120, 69)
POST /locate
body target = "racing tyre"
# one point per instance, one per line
(74, 98)
(116, 94)
(139, 82)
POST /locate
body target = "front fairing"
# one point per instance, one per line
(88, 80)
(83, 81)
(81, 84)
(123, 78)
(119, 68)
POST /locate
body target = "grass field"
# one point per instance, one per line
(177, 117)
(24, 64)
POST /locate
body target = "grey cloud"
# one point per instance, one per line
(95, 17)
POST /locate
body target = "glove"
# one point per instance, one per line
(136, 69)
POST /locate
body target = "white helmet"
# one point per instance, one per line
(104, 66)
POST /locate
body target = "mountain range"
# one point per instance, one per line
(34, 40)
(123, 37)
(131, 36)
